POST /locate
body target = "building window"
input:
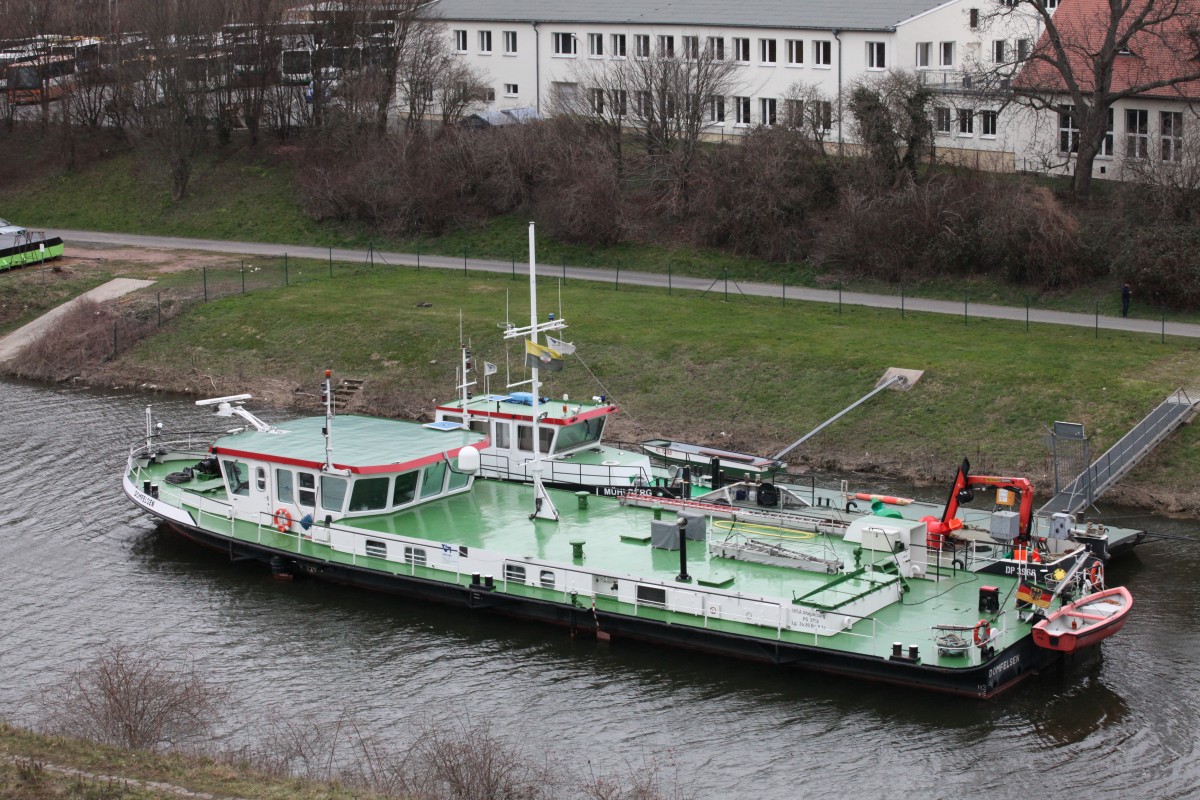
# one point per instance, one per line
(876, 58)
(924, 52)
(618, 45)
(620, 102)
(766, 110)
(666, 46)
(795, 48)
(510, 90)
(564, 44)
(966, 122)
(485, 42)
(376, 549)
(823, 53)
(1137, 133)
(415, 556)
(988, 121)
(973, 18)
(825, 114)
(716, 48)
(1170, 128)
(1106, 146)
(793, 113)
(942, 119)
(596, 100)
(595, 44)
(741, 50)
(1022, 49)
(999, 51)
(766, 51)
(641, 45)
(716, 109)
(946, 53)
(514, 573)
(741, 108)
(691, 47)
(460, 41)
(510, 43)
(1068, 131)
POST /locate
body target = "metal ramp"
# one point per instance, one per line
(1122, 456)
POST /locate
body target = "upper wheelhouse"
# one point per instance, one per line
(564, 427)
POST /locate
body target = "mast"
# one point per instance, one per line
(543, 505)
(328, 422)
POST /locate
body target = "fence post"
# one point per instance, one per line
(564, 273)
(286, 282)
(727, 284)
(902, 301)
(1097, 319)
(204, 274)
(160, 309)
(1027, 313)
(669, 291)
(839, 297)
(514, 271)
(1163, 339)
(418, 256)
(115, 322)
(371, 253)
(242, 269)
(783, 291)
(617, 282)
(966, 300)
(465, 260)
(331, 262)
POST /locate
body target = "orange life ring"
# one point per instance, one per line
(282, 520)
(982, 633)
(1095, 574)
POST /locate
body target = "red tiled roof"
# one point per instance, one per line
(1163, 50)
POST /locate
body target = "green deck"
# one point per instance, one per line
(495, 517)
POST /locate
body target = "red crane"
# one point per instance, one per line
(940, 530)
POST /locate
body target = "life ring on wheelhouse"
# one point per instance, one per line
(1095, 574)
(282, 520)
(982, 633)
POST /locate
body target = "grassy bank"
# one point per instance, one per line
(750, 374)
(250, 193)
(36, 767)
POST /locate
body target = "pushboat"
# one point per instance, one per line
(1085, 622)
(20, 246)
(396, 506)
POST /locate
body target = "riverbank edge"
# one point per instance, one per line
(39, 765)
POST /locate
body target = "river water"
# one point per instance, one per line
(82, 568)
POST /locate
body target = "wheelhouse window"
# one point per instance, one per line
(434, 481)
(405, 490)
(333, 493)
(308, 489)
(589, 430)
(260, 478)
(369, 494)
(283, 485)
(457, 480)
(525, 439)
(237, 477)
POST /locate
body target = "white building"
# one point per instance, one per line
(530, 48)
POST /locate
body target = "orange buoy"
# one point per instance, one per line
(884, 498)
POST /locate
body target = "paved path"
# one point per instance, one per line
(11, 344)
(951, 307)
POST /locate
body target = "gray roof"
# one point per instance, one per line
(789, 14)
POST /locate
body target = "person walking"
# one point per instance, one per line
(1126, 296)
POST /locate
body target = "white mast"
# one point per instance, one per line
(328, 422)
(543, 506)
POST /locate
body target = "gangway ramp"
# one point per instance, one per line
(1122, 456)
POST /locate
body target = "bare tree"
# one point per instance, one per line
(891, 115)
(808, 109)
(1089, 56)
(135, 700)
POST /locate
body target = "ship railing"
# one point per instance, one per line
(186, 442)
(553, 469)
